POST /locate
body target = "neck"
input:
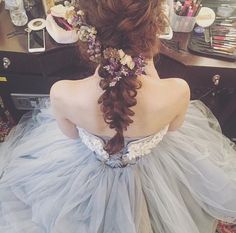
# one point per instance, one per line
(150, 69)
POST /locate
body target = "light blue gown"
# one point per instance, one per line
(169, 182)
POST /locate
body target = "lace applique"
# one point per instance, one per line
(93, 142)
(135, 149)
(143, 146)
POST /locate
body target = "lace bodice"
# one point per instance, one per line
(133, 150)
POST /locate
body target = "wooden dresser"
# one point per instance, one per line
(211, 80)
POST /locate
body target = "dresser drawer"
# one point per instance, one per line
(205, 79)
(44, 63)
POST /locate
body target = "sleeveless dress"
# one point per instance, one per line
(168, 182)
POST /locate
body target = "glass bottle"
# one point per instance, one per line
(17, 12)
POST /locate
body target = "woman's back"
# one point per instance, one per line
(157, 105)
(167, 182)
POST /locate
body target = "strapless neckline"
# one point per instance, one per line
(126, 138)
(134, 148)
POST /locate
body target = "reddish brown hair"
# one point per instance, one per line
(131, 25)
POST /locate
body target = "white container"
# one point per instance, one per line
(18, 17)
(17, 12)
(181, 23)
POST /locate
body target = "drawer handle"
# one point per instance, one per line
(216, 79)
(6, 62)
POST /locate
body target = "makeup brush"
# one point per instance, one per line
(223, 46)
(230, 17)
(225, 24)
(224, 38)
(210, 51)
(228, 50)
(224, 42)
(217, 33)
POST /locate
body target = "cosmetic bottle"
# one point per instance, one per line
(17, 12)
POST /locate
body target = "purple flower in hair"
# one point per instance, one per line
(118, 64)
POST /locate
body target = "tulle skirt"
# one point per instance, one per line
(52, 184)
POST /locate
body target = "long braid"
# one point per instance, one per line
(132, 26)
(115, 105)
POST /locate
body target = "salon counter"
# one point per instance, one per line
(211, 80)
(14, 47)
(26, 73)
(183, 56)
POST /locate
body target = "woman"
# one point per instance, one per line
(134, 155)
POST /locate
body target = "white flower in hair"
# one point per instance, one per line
(124, 72)
(121, 53)
(80, 12)
(85, 32)
(127, 60)
(131, 64)
(117, 78)
(112, 84)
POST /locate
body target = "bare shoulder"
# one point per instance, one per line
(60, 89)
(168, 91)
(178, 92)
(178, 89)
(179, 85)
(62, 95)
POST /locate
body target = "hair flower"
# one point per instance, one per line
(126, 60)
(131, 64)
(117, 63)
(85, 32)
(121, 53)
(80, 12)
(120, 65)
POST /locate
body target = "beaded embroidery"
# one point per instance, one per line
(135, 149)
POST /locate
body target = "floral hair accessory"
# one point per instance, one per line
(120, 65)
(88, 33)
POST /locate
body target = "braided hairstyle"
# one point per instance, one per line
(133, 26)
